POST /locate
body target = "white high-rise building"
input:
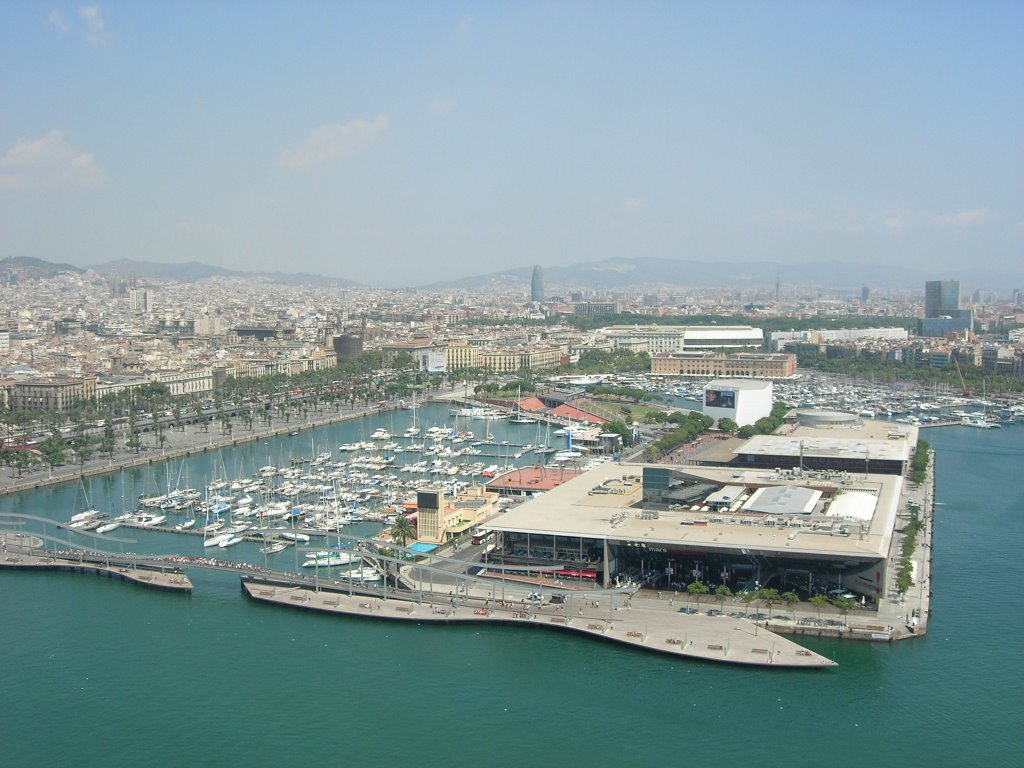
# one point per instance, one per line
(139, 300)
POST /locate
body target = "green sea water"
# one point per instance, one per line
(101, 673)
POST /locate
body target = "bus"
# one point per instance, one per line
(573, 573)
(480, 536)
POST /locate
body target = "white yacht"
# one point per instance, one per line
(365, 573)
(330, 559)
(214, 541)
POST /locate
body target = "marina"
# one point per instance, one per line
(509, 654)
(514, 678)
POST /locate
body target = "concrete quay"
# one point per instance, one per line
(193, 440)
(170, 580)
(705, 638)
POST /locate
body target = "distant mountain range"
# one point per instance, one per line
(187, 272)
(610, 274)
(21, 267)
(651, 272)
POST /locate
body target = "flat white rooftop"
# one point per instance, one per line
(749, 385)
(844, 446)
(616, 513)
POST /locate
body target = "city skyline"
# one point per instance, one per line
(399, 145)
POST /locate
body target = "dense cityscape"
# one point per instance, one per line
(500, 384)
(84, 333)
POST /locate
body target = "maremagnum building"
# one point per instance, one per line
(807, 511)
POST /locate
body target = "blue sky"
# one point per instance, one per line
(402, 143)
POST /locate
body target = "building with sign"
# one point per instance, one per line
(742, 400)
(817, 515)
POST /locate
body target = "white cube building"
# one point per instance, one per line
(742, 400)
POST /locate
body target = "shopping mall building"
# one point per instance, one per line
(809, 511)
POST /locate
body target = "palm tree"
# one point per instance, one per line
(402, 530)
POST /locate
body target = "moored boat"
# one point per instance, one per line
(330, 559)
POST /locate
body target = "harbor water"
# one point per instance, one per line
(101, 673)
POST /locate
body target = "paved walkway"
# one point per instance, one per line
(171, 580)
(708, 638)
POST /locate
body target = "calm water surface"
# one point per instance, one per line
(98, 673)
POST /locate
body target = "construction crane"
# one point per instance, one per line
(963, 385)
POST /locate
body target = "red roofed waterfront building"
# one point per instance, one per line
(567, 411)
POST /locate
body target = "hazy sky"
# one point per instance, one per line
(400, 143)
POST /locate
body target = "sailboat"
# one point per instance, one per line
(414, 430)
(518, 416)
(275, 547)
(570, 453)
(89, 518)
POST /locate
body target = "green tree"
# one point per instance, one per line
(722, 593)
(402, 530)
(845, 605)
(23, 460)
(161, 438)
(746, 597)
(728, 425)
(133, 439)
(792, 600)
(620, 428)
(819, 602)
(108, 441)
(697, 589)
(769, 597)
(53, 448)
(81, 443)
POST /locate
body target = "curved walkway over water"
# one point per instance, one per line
(440, 590)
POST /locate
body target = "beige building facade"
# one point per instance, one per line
(778, 365)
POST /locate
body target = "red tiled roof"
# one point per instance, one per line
(531, 404)
(533, 479)
(569, 412)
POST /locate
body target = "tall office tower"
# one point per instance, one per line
(139, 300)
(865, 293)
(942, 312)
(537, 285)
(941, 298)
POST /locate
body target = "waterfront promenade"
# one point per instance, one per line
(658, 629)
(193, 440)
(896, 617)
(172, 579)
